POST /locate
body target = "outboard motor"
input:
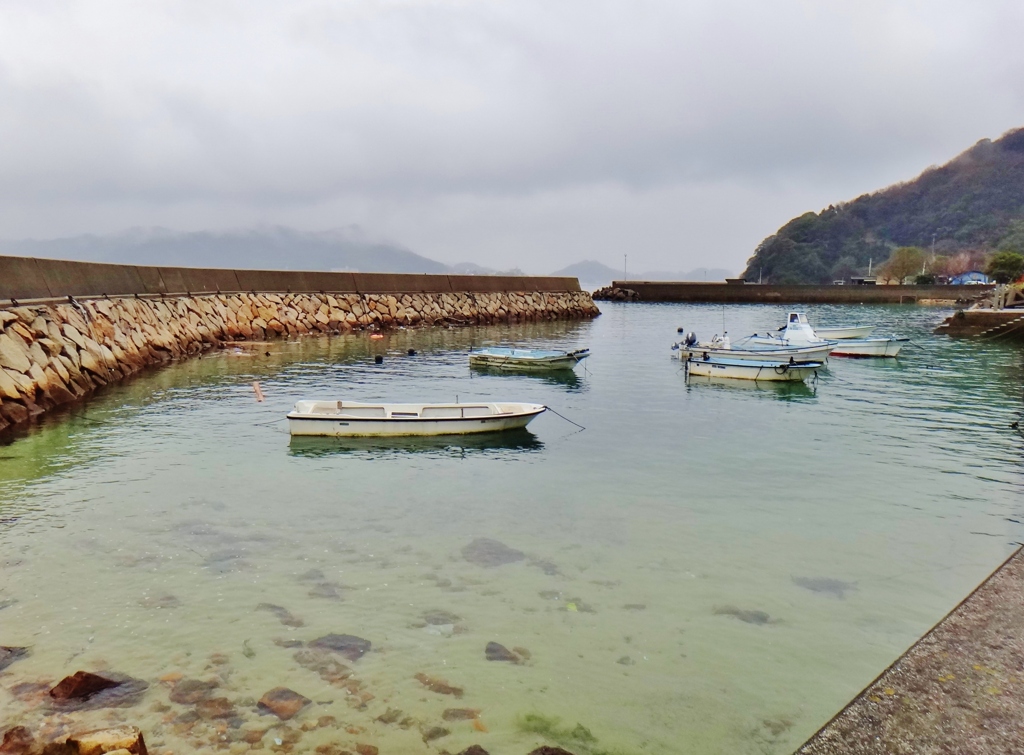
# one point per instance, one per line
(690, 340)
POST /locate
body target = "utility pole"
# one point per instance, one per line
(625, 274)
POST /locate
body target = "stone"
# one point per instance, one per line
(496, 652)
(81, 686)
(440, 686)
(283, 614)
(549, 750)
(435, 732)
(101, 741)
(17, 741)
(474, 750)
(490, 553)
(13, 354)
(460, 714)
(8, 388)
(283, 702)
(191, 691)
(215, 707)
(348, 645)
(324, 663)
(9, 655)
(366, 749)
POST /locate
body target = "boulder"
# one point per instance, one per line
(283, 702)
(348, 645)
(490, 553)
(549, 750)
(102, 741)
(474, 750)
(497, 652)
(13, 353)
(80, 686)
(17, 741)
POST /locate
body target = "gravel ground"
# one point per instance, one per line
(959, 689)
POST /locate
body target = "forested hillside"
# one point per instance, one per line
(975, 202)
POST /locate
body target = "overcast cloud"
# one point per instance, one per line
(520, 133)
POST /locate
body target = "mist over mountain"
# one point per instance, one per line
(975, 202)
(274, 248)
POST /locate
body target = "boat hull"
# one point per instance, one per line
(525, 360)
(779, 355)
(320, 418)
(757, 371)
(839, 334)
(870, 347)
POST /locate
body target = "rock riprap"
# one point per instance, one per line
(54, 354)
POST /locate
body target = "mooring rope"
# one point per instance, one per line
(577, 424)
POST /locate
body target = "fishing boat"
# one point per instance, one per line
(844, 332)
(355, 419)
(743, 369)
(798, 332)
(751, 349)
(533, 360)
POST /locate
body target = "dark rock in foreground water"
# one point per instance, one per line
(549, 750)
(496, 652)
(460, 714)
(9, 655)
(283, 702)
(825, 585)
(744, 615)
(490, 553)
(17, 740)
(81, 686)
(283, 614)
(348, 645)
(440, 686)
(119, 738)
(474, 750)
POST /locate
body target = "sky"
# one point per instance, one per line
(518, 133)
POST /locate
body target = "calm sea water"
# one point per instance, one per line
(708, 568)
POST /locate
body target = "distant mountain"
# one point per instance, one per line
(265, 248)
(975, 202)
(596, 274)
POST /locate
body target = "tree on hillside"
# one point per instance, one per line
(1005, 267)
(845, 268)
(965, 261)
(904, 262)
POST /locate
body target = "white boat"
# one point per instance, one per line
(842, 333)
(870, 347)
(354, 419)
(799, 332)
(742, 369)
(748, 349)
(540, 360)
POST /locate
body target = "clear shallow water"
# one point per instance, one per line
(741, 560)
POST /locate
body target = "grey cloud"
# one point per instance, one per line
(449, 124)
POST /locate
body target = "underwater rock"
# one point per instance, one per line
(549, 750)
(575, 605)
(826, 585)
(332, 749)
(329, 590)
(191, 691)
(283, 702)
(547, 567)
(435, 732)
(744, 615)
(626, 661)
(101, 741)
(522, 653)
(348, 645)
(283, 614)
(283, 642)
(9, 655)
(460, 714)
(366, 749)
(81, 686)
(440, 686)
(497, 652)
(321, 662)
(490, 553)
(392, 716)
(474, 750)
(7, 603)
(440, 618)
(160, 601)
(215, 707)
(17, 741)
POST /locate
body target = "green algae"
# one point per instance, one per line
(579, 737)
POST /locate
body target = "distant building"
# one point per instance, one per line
(970, 277)
(859, 281)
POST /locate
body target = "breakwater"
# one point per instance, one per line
(55, 352)
(753, 293)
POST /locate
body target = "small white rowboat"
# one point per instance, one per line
(838, 334)
(748, 370)
(763, 353)
(527, 359)
(352, 419)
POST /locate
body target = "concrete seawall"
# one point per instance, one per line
(726, 293)
(53, 353)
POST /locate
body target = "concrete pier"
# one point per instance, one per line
(959, 689)
(753, 293)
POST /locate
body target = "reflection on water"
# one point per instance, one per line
(499, 445)
(704, 569)
(568, 379)
(783, 390)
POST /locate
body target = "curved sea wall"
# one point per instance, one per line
(55, 353)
